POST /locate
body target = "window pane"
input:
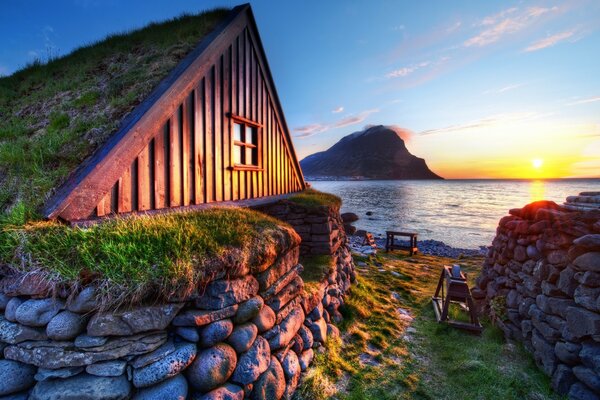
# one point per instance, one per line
(237, 154)
(249, 156)
(237, 132)
(255, 156)
(249, 135)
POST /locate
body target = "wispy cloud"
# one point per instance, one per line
(585, 101)
(405, 71)
(504, 88)
(337, 110)
(306, 131)
(507, 22)
(493, 120)
(550, 41)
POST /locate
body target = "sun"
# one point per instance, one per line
(537, 163)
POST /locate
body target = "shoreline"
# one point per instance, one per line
(429, 247)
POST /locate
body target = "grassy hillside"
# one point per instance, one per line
(55, 115)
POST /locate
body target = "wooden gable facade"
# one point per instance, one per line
(212, 131)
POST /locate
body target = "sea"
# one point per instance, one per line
(461, 213)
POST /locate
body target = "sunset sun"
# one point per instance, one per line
(537, 163)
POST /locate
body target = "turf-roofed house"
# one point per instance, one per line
(152, 218)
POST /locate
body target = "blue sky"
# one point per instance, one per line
(479, 89)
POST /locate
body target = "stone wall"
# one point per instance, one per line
(249, 335)
(320, 228)
(541, 282)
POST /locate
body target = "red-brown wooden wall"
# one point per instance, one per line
(188, 160)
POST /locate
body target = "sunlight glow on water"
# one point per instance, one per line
(461, 213)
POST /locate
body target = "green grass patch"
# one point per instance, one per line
(57, 113)
(140, 257)
(312, 198)
(385, 356)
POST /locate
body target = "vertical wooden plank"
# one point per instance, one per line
(209, 157)
(174, 161)
(144, 180)
(199, 143)
(226, 126)
(279, 177)
(259, 118)
(247, 74)
(242, 101)
(218, 137)
(235, 194)
(186, 149)
(271, 149)
(124, 202)
(103, 207)
(160, 169)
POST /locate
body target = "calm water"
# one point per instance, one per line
(461, 213)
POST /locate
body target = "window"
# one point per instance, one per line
(245, 144)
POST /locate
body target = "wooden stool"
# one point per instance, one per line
(389, 241)
(453, 287)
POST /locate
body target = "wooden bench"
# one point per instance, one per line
(389, 241)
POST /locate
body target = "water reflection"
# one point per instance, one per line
(537, 190)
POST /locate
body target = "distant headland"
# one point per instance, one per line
(378, 152)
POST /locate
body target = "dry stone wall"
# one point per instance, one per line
(541, 281)
(246, 336)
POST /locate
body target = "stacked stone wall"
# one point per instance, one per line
(541, 282)
(320, 228)
(248, 335)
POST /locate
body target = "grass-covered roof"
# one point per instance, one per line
(55, 115)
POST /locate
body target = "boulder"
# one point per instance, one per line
(282, 334)
(562, 379)
(591, 241)
(271, 384)
(202, 317)
(227, 292)
(4, 299)
(318, 329)
(587, 376)
(588, 262)
(175, 388)
(228, 391)
(43, 374)
(141, 319)
(66, 325)
(567, 352)
(212, 367)
(292, 371)
(253, 362)
(307, 337)
(159, 353)
(590, 355)
(306, 358)
(11, 309)
(243, 337)
(579, 391)
(85, 341)
(188, 333)
(84, 302)
(166, 367)
(14, 333)
(248, 310)
(54, 355)
(38, 312)
(107, 368)
(83, 387)
(349, 217)
(15, 377)
(582, 322)
(215, 332)
(265, 319)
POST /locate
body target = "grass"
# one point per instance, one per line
(55, 114)
(316, 267)
(134, 259)
(312, 198)
(383, 355)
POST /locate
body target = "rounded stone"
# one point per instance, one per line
(332, 331)
(166, 367)
(11, 309)
(83, 387)
(292, 372)
(84, 302)
(306, 358)
(242, 337)
(265, 319)
(228, 391)
(65, 326)
(248, 310)
(253, 362)
(45, 373)
(4, 299)
(307, 337)
(175, 388)
(38, 312)
(212, 367)
(215, 332)
(107, 368)
(271, 384)
(15, 376)
(188, 333)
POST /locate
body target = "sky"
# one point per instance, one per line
(494, 89)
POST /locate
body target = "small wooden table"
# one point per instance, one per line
(389, 241)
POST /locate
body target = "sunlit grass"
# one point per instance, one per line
(313, 198)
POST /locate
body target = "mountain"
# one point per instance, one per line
(377, 152)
